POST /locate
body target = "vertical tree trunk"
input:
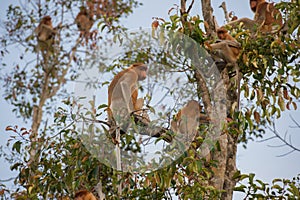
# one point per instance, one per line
(222, 178)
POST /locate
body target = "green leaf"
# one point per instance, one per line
(17, 146)
(240, 188)
(251, 177)
(278, 187)
(295, 190)
(281, 103)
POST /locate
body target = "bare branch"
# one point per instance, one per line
(285, 154)
(293, 119)
(270, 138)
(7, 180)
(283, 140)
(223, 6)
(190, 7)
(276, 146)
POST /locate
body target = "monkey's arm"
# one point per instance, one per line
(126, 85)
(230, 43)
(224, 50)
(44, 27)
(248, 23)
(48, 28)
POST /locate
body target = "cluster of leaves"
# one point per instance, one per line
(257, 189)
(25, 82)
(270, 68)
(64, 165)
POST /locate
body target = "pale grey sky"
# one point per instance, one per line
(258, 158)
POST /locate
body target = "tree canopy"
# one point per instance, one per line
(58, 86)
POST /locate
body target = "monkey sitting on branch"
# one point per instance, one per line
(84, 21)
(225, 48)
(123, 102)
(226, 52)
(188, 119)
(267, 18)
(45, 35)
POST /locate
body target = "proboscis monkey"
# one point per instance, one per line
(188, 119)
(229, 50)
(84, 21)
(45, 34)
(84, 195)
(226, 48)
(123, 93)
(223, 34)
(266, 19)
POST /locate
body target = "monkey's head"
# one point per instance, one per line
(84, 195)
(83, 11)
(46, 20)
(221, 32)
(254, 3)
(193, 107)
(141, 70)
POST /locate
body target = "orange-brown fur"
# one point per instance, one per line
(84, 195)
(136, 69)
(227, 50)
(266, 19)
(45, 34)
(84, 21)
(187, 120)
(223, 34)
(266, 15)
(45, 29)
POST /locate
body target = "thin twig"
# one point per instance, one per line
(190, 7)
(293, 119)
(283, 140)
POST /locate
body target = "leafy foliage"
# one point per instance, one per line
(257, 189)
(62, 164)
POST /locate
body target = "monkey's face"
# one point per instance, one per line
(143, 73)
(47, 20)
(253, 5)
(221, 35)
(49, 23)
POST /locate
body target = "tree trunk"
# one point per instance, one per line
(223, 175)
(207, 11)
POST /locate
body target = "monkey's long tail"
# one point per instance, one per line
(118, 155)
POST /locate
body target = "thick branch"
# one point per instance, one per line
(203, 92)
(207, 12)
(223, 6)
